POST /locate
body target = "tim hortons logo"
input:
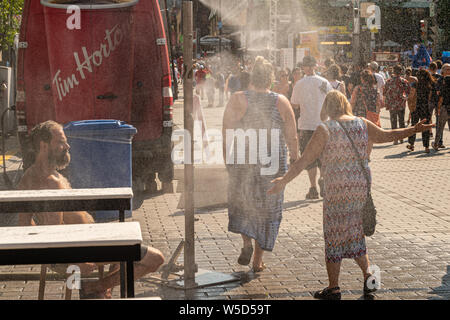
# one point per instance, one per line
(86, 63)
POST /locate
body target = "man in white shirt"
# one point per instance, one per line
(308, 95)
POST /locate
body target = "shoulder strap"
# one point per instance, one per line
(366, 175)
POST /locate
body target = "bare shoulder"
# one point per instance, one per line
(56, 181)
(283, 102)
(236, 107)
(282, 99)
(33, 179)
(372, 129)
(322, 131)
(238, 98)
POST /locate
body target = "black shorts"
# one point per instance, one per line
(303, 139)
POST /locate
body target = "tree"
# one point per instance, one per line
(10, 17)
(443, 12)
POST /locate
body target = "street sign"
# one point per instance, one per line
(365, 11)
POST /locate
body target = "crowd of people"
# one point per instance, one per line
(329, 118)
(409, 95)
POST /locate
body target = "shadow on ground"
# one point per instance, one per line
(216, 292)
(140, 197)
(293, 205)
(443, 291)
(415, 154)
(205, 210)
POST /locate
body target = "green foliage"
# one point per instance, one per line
(10, 17)
(443, 13)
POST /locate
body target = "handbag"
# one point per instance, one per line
(369, 212)
(412, 100)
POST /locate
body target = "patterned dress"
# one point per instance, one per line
(251, 211)
(366, 99)
(345, 190)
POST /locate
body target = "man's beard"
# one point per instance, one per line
(60, 161)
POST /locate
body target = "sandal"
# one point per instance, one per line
(320, 182)
(259, 269)
(246, 256)
(410, 147)
(312, 194)
(328, 294)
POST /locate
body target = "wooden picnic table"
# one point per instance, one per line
(76, 249)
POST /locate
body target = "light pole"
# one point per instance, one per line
(356, 54)
(220, 29)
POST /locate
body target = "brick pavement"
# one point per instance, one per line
(411, 245)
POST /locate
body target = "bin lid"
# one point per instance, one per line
(99, 128)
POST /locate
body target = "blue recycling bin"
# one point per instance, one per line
(100, 157)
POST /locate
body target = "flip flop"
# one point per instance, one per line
(246, 256)
(328, 294)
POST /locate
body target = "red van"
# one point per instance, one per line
(99, 61)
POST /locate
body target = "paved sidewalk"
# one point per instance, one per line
(411, 245)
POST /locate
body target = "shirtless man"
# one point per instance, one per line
(52, 154)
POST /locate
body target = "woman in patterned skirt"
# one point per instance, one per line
(263, 122)
(344, 183)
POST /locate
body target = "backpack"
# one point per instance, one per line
(412, 100)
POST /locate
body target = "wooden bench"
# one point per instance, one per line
(66, 200)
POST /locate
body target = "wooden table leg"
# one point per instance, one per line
(123, 284)
(130, 279)
(42, 282)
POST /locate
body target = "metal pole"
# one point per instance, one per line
(356, 55)
(169, 45)
(436, 45)
(220, 28)
(189, 247)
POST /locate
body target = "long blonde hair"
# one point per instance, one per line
(262, 74)
(336, 104)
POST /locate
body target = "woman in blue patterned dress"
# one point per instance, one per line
(261, 116)
(345, 186)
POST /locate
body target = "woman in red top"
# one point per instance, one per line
(365, 98)
(366, 101)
